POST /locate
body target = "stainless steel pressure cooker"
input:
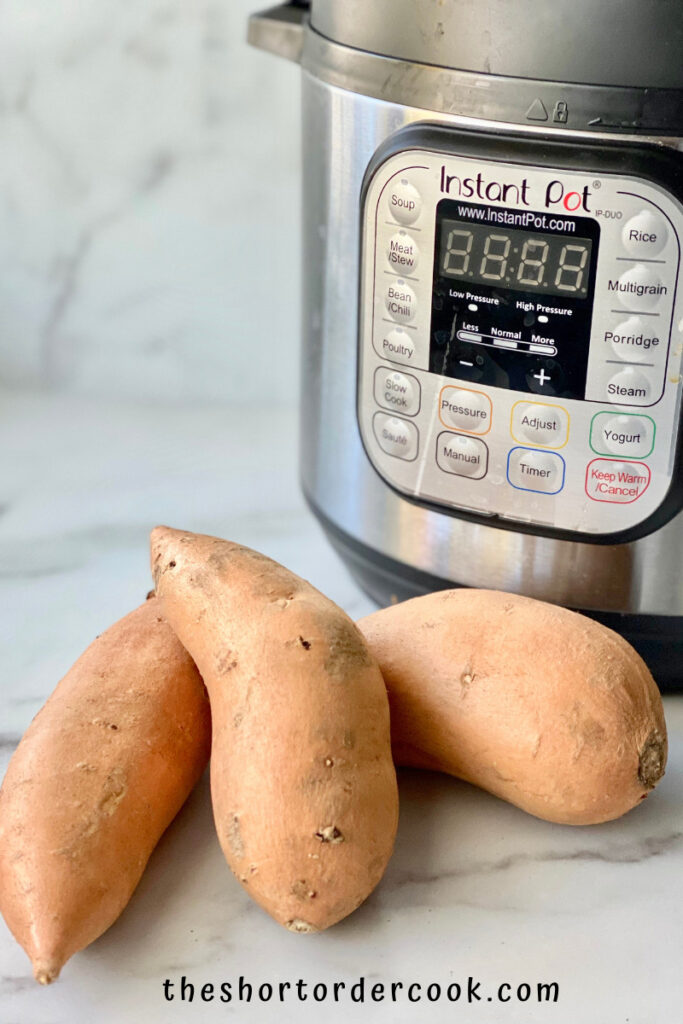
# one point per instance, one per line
(493, 307)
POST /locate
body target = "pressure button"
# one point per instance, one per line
(404, 201)
(645, 234)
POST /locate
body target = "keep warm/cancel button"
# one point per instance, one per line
(620, 482)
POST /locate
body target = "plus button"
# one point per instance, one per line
(542, 377)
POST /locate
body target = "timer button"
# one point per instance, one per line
(397, 391)
(634, 340)
(628, 435)
(404, 201)
(639, 288)
(398, 346)
(531, 470)
(462, 455)
(465, 410)
(540, 424)
(400, 301)
(396, 437)
(645, 234)
(402, 253)
(629, 387)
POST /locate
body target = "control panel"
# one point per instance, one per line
(521, 339)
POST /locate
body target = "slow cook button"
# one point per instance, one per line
(398, 346)
(629, 387)
(404, 201)
(640, 287)
(628, 435)
(396, 437)
(634, 341)
(462, 455)
(540, 423)
(616, 482)
(645, 234)
(465, 409)
(403, 253)
(532, 470)
(400, 301)
(397, 391)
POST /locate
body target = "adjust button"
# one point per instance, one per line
(628, 435)
(400, 301)
(540, 423)
(465, 409)
(629, 387)
(402, 253)
(397, 391)
(617, 482)
(645, 234)
(532, 470)
(404, 201)
(640, 287)
(462, 455)
(396, 437)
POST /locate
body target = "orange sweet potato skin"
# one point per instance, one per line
(100, 773)
(536, 704)
(302, 780)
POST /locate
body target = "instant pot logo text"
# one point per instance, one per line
(556, 196)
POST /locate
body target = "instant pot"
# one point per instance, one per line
(493, 318)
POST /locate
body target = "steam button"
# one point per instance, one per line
(645, 234)
(404, 201)
(629, 387)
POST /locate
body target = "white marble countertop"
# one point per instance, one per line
(476, 888)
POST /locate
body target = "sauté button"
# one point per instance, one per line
(462, 455)
(540, 423)
(628, 435)
(640, 287)
(398, 346)
(629, 387)
(465, 410)
(532, 470)
(397, 391)
(404, 201)
(396, 437)
(616, 482)
(645, 234)
(634, 340)
(400, 301)
(402, 253)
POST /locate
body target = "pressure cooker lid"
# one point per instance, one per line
(636, 43)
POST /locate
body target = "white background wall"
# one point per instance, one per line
(149, 202)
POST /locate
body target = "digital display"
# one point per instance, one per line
(521, 260)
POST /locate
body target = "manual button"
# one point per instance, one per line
(462, 455)
(533, 470)
(397, 391)
(540, 423)
(628, 435)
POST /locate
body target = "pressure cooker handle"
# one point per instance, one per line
(280, 30)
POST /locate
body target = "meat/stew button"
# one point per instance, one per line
(616, 482)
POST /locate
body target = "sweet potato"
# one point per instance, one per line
(302, 781)
(101, 771)
(539, 705)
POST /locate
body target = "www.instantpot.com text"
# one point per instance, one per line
(362, 990)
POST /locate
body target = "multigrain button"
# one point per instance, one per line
(645, 234)
(396, 437)
(533, 470)
(640, 287)
(634, 340)
(465, 409)
(397, 346)
(402, 253)
(404, 201)
(400, 301)
(540, 423)
(397, 391)
(619, 483)
(462, 455)
(629, 387)
(628, 435)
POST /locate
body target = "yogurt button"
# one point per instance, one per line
(634, 340)
(540, 423)
(629, 387)
(530, 470)
(627, 435)
(396, 437)
(462, 455)
(645, 234)
(640, 287)
(400, 301)
(404, 201)
(402, 253)
(465, 410)
(398, 346)
(397, 391)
